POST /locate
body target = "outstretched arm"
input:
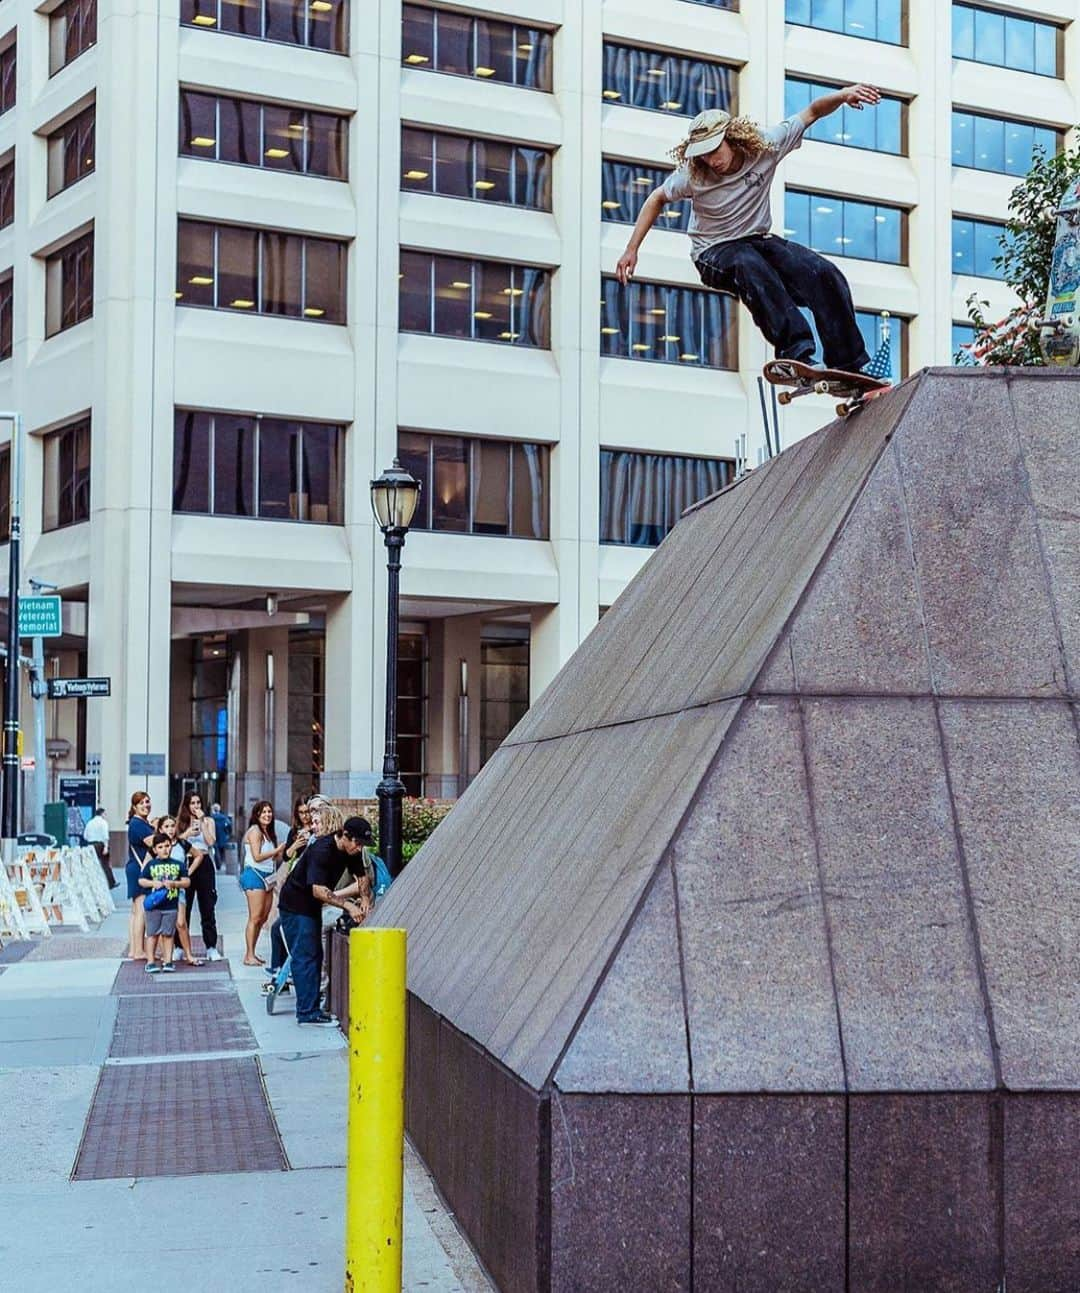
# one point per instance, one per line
(854, 97)
(647, 217)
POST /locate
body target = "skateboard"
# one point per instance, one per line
(853, 388)
(1059, 330)
(278, 984)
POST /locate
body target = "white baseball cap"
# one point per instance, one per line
(707, 131)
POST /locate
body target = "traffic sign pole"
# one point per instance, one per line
(9, 803)
(39, 690)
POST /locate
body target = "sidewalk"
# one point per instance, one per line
(206, 1138)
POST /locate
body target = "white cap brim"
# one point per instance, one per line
(702, 146)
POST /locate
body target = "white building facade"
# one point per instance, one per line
(253, 249)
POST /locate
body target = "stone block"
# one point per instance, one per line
(620, 1194)
(769, 1194)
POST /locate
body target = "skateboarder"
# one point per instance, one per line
(725, 166)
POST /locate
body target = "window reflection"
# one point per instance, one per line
(66, 476)
(7, 192)
(453, 296)
(318, 24)
(72, 31)
(69, 284)
(437, 40)
(626, 185)
(845, 227)
(868, 19)
(1006, 40)
(7, 303)
(882, 130)
(643, 495)
(998, 144)
(873, 328)
(472, 486)
(659, 82)
(227, 464)
(976, 246)
(484, 169)
(668, 324)
(248, 133)
(260, 271)
(7, 77)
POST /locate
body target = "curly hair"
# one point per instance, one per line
(744, 135)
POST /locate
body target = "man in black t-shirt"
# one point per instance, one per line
(309, 888)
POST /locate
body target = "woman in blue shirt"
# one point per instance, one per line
(139, 831)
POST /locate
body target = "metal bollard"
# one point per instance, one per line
(374, 1166)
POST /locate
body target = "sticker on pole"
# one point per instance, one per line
(39, 617)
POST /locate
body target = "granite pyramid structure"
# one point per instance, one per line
(751, 961)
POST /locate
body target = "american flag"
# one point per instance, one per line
(880, 366)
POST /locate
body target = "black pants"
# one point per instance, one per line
(99, 849)
(204, 888)
(773, 278)
(278, 952)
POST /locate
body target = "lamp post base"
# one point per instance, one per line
(390, 792)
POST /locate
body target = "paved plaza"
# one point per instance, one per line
(104, 1070)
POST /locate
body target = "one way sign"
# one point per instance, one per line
(72, 688)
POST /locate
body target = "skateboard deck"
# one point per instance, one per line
(1059, 332)
(278, 984)
(854, 389)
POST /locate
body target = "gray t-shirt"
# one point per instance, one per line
(734, 206)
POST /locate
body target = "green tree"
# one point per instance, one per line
(1027, 250)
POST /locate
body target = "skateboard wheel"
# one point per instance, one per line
(785, 397)
(842, 410)
(821, 388)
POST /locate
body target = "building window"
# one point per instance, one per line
(626, 185)
(66, 481)
(669, 325)
(211, 665)
(69, 285)
(999, 144)
(977, 244)
(320, 24)
(473, 486)
(659, 82)
(268, 135)
(437, 40)
(844, 227)
(1007, 40)
(963, 334)
(883, 20)
(482, 169)
(412, 711)
(642, 495)
(479, 300)
(5, 493)
(71, 152)
(234, 464)
(260, 271)
(504, 690)
(884, 130)
(72, 31)
(306, 747)
(7, 311)
(7, 192)
(7, 77)
(872, 326)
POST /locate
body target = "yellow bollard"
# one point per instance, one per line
(373, 1172)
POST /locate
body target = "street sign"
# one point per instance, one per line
(39, 617)
(146, 765)
(67, 688)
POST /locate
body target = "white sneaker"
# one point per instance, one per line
(178, 954)
(212, 954)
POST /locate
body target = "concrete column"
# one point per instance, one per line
(353, 761)
(131, 464)
(257, 646)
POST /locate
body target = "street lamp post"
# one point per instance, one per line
(9, 807)
(394, 497)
